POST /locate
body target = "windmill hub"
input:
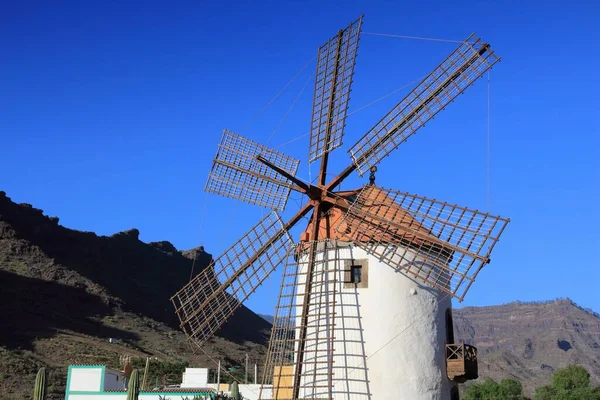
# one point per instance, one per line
(316, 193)
(350, 285)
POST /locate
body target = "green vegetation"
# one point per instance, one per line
(39, 391)
(161, 372)
(235, 391)
(234, 374)
(133, 386)
(490, 389)
(570, 383)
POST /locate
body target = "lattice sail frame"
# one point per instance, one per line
(453, 242)
(332, 316)
(447, 81)
(334, 76)
(205, 303)
(237, 174)
(211, 297)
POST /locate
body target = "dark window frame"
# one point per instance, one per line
(349, 267)
(449, 326)
(356, 272)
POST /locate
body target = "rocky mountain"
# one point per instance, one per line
(529, 341)
(64, 293)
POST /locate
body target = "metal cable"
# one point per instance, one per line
(289, 110)
(226, 371)
(488, 142)
(202, 213)
(262, 110)
(414, 37)
(360, 108)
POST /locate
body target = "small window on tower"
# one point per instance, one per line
(356, 274)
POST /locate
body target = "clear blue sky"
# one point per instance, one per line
(110, 114)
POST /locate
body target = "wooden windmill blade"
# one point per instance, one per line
(456, 73)
(334, 76)
(212, 296)
(300, 348)
(237, 174)
(281, 353)
(444, 245)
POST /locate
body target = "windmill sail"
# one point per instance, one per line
(237, 174)
(442, 244)
(212, 296)
(335, 68)
(457, 72)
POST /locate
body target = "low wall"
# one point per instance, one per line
(142, 396)
(249, 391)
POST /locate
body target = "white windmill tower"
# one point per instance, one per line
(364, 310)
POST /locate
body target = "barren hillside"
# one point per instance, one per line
(65, 293)
(529, 341)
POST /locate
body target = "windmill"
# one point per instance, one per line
(372, 262)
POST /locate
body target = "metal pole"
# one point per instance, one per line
(145, 373)
(219, 375)
(246, 370)
(255, 373)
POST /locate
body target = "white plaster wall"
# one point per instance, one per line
(267, 391)
(85, 379)
(389, 337)
(195, 378)
(108, 396)
(410, 317)
(251, 391)
(123, 396)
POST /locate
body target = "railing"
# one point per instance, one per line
(461, 362)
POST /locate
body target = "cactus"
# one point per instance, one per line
(235, 391)
(39, 392)
(133, 386)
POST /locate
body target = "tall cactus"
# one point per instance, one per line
(235, 391)
(133, 386)
(39, 391)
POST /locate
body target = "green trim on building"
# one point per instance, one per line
(171, 395)
(124, 393)
(70, 371)
(192, 394)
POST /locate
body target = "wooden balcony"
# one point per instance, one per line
(461, 362)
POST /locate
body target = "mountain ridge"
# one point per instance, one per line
(66, 292)
(529, 341)
(76, 297)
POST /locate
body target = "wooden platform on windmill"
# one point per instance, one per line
(461, 362)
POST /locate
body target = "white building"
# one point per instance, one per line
(373, 332)
(98, 382)
(390, 332)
